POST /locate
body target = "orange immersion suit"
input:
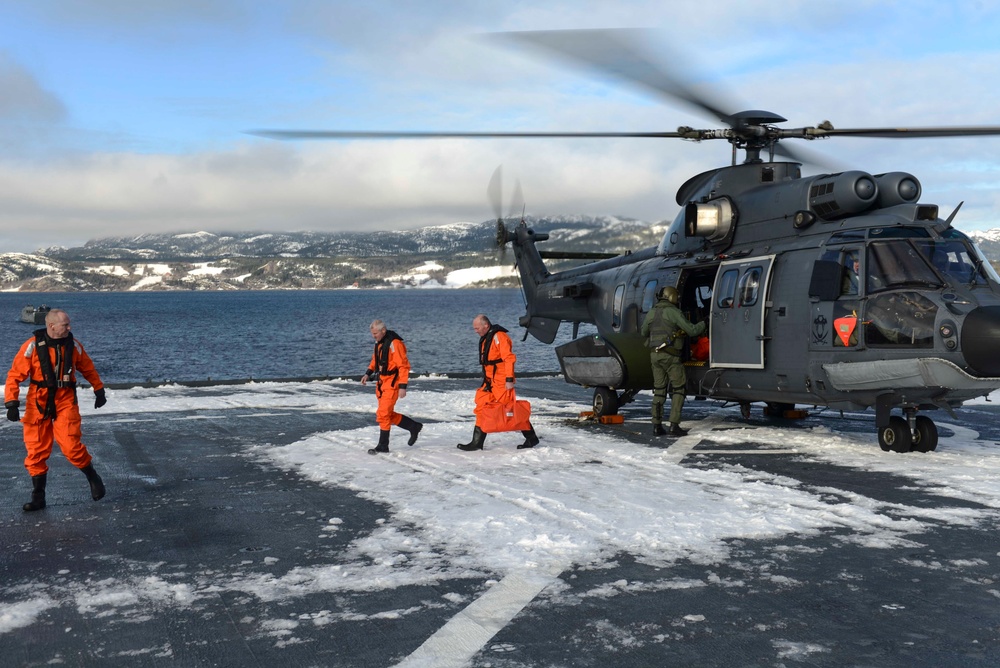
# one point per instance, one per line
(496, 355)
(391, 367)
(40, 425)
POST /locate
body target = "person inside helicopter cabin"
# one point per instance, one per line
(665, 328)
(850, 282)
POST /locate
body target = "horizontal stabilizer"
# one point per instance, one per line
(543, 329)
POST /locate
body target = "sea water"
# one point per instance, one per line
(196, 336)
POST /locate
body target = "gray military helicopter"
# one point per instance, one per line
(840, 290)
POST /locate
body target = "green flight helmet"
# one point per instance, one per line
(669, 293)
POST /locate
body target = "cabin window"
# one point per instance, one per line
(727, 289)
(648, 296)
(616, 313)
(749, 286)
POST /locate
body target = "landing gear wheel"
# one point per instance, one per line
(605, 402)
(925, 438)
(895, 436)
(745, 409)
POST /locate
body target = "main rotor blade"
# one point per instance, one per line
(619, 53)
(906, 133)
(419, 134)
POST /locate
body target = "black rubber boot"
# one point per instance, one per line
(383, 443)
(675, 430)
(37, 493)
(658, 430)
(96, 484)
(478, 436)
(530, 439)
(413, 427)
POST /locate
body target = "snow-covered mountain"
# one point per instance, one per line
(989, 242)
(566, 233)
(457, 255)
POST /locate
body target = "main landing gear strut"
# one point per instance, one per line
(916, 433)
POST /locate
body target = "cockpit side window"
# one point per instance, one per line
(849, 261)
(900, 318)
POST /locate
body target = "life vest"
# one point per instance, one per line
(382, 359)
(484, 350)
(53, 378)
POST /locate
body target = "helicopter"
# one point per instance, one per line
(840, 290)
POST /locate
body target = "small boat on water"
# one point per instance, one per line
(34, 315)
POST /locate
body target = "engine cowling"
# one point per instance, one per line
(845, 194)
(897, 188)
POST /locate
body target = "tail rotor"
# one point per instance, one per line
(494, 192)
(504, 234)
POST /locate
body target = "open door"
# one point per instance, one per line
(738, 302)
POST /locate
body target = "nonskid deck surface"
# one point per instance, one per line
(247, 525)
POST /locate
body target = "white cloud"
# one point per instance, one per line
(121, 151)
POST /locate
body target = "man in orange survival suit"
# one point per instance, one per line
(390, 369)
(496, 356)
(50, 360)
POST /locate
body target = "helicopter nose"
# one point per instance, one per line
(980, 339)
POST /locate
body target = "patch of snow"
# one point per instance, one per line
(462, 277)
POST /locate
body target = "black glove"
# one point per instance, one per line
(12, 413)
(99, 398)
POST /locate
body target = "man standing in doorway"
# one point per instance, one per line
(50, 359)
(665, 327)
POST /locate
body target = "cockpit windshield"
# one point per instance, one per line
(898, 263)
(953, 261)
(922, 261)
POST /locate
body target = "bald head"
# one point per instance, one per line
(57, 324)
(481, 324)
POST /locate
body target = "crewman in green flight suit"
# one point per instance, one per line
(664, 328)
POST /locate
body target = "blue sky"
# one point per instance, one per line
(121, 118)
